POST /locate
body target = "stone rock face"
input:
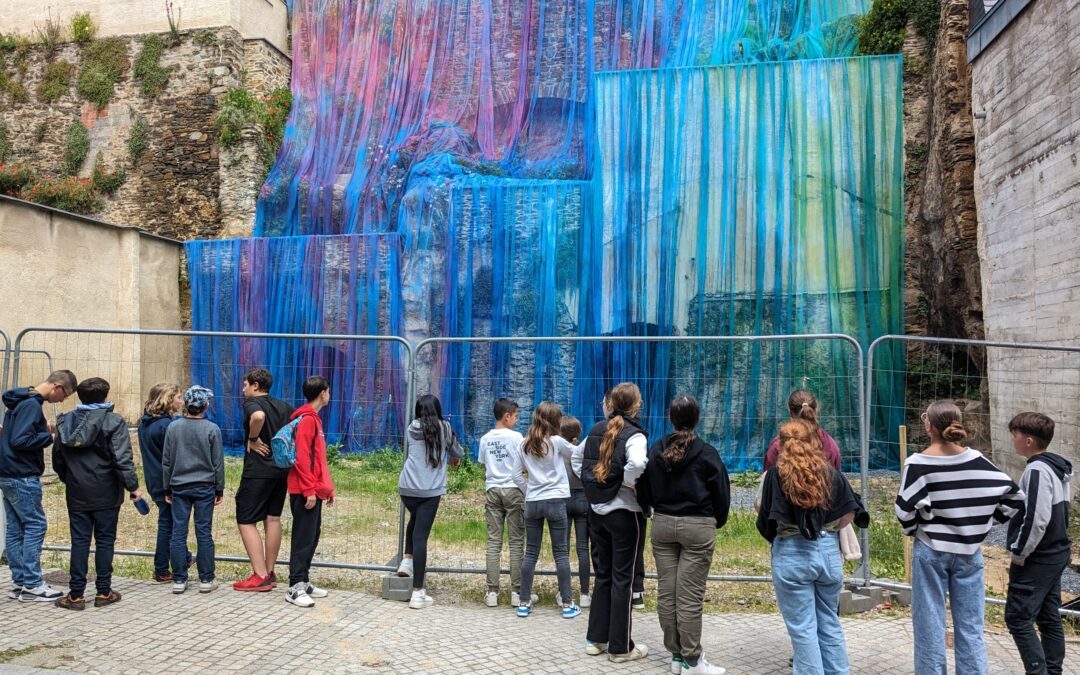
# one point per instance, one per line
(942, 282)
(180, 186)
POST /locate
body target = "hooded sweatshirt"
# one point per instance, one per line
(1039, 530)
(151, 443)
(92, 457)
(310, 473)
(418, 477)
(192, 456)
(25, 436)
(694, 485)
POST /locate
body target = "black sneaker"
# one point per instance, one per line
(68, 602)
(109, 598)
(638, 601)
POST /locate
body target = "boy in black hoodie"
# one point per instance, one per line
(92, 456)
(25, 436)
(1039, 545)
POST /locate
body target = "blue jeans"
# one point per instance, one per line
(554, 512)
(932, 575)
(199, 500)
(162, 555)
(807, 575)
(25, 534)
(101, 526)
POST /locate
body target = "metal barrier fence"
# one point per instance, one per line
(741, 413)
(991, 382)
(7, 359)
(359, 533)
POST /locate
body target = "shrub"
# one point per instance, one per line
(139, 140)
(881, 30)
(104, 63)
(239, 108)
(5, 142)
(70, 194)
(104, 181)
(55, 81)
(148, 72)
(14, 177)
(82, 28)
(76, 147)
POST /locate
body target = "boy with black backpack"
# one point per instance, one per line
(92, 456)
(309, 486)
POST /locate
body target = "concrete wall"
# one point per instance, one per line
(1027, 184)
(58, 269)
(254, 19)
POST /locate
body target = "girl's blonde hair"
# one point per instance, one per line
(545, 424)
(160, 400)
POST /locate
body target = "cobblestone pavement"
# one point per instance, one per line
(153, 631)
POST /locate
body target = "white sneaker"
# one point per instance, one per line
(179, 587)
(314, 591)
(420, 599)
(207, 586)
(595, 648)
(585, 600)
(491, 599)
(43, 593)
(515, 599)
(558, 599)
(405, 568)
(639, 651)
(677, 664)
(298, 596)
(15, 592)
(703, 667)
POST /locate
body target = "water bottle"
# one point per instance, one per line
(141, 506)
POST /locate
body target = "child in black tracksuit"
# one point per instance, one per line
(1039, 546)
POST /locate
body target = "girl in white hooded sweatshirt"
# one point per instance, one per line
(542, 456)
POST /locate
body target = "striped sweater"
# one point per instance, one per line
(951, 502)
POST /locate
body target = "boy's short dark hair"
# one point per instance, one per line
(313, 386)
(503, 406)
(261, 377)
(92, 390)
(1037, 425)
(570, 427)
(64, 378)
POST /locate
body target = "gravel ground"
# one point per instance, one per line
(1070, 579)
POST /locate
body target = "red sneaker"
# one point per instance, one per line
(273, 579)
(254, 583)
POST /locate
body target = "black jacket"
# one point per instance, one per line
(25, 436)
(92, 456)
(151, 442)
(776, 508)
(695, 485)
(602, 492)
(1040, 529)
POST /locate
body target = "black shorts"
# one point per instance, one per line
(258, 498)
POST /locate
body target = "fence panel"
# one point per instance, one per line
(742, 384)
(991, 382)
(362, 528)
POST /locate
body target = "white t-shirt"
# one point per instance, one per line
(497, 450)
(547, 475)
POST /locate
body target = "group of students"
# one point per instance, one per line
(184, 473)
(605, 484)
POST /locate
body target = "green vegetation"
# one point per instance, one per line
(76, 147)
(148, 72)
(83, 29)
(8, 84)
(13, 178)
(104, 63)
(241, 110)
(104, 181)
(69, 194)
(55, 81)
(174, 22)
(138, 140)
(746, 479)
(50, 34)
(5, 142)
(882, 29)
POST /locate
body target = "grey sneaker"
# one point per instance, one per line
(297, 595)
(639, 651)
(207, 586)
(43, 593)
(179, 587)
(316, 592)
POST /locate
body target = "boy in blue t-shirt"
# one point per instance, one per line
(1039, 545)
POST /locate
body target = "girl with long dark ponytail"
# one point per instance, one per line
(432, 444)
(609, 463)
(686, 485)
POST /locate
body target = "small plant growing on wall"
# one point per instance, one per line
(50, 33)
(104, 63)
(151, 77)
(70, 194)
(39, 132)
(104, 181)
(241, 110)
(138, 140)
(76, 147)
(5, 143)
(55, 80)
(83, 29)
(14, 177)
(174, 22)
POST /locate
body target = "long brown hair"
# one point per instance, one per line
(160, 400)
(625, 401)
(684, 413)
(545, 424)
(944, 416)
(804, 406)
(805, 473)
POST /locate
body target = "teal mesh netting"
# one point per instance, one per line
(584, 168)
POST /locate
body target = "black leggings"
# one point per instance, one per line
(422, 512)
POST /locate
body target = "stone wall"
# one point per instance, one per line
(180, 186)
(1026, 97)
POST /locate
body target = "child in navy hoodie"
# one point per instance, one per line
(1039, 545)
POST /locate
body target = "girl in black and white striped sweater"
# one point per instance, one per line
(950, 496)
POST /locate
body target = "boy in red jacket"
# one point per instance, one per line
(309, 486)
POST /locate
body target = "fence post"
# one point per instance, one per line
(410, 402)
(7, 359)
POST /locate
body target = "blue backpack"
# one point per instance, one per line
(283, 445)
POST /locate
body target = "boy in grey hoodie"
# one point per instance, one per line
(193, 473)
(92, 456)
